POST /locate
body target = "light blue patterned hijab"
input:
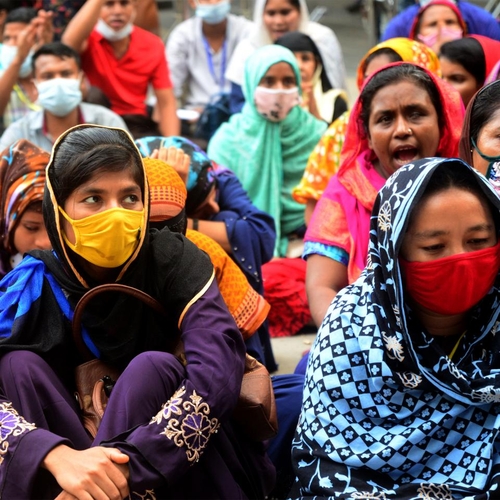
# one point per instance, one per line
(386, 414)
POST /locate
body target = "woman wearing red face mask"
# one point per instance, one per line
(403, 382)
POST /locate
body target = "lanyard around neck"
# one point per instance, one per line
(24, 98)
(208, 51)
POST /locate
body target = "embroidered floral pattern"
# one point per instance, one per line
(147, 495)
(11, 423)
(171, 407)
(366, 495)
(393, 345)
(410, 380)
(488, 394)
(434, 492)
(188, 423)
(384, 217)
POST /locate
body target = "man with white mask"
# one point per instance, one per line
(23, 32)
(123, 60)
(199, 50)
(57, 76)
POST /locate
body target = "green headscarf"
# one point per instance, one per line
(268, 157)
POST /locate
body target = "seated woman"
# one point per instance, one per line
(272, 19)
(324, 161)
(467, 62)
(168, 196)
(96, 209)
(22, 177)
(402, 114)
(219, 207)
(168, 199)
(437, 22)
(480, 143)
(278, 137)
(401, 392)
(318, 96)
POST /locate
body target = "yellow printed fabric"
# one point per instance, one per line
(248, 308)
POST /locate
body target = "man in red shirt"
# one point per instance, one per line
(123, 60)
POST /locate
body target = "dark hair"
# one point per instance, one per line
(395, 74)
(8, 5)
(34, 206)
(468, 53)
(447, 176)
(22, 15)
(486, 103)
(57, 49)
(391, 54)
(87, 150)
(297, 41)
(293, 3)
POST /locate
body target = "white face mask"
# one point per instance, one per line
(275, 104)
(7, 54)
(213, 13)
(59, 96)
(110, 34)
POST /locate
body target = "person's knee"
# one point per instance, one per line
(18, 365)
(155, 366)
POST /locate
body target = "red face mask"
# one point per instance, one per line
(452, 285)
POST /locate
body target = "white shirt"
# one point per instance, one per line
(189, 64)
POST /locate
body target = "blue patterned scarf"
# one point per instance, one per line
(386, 413)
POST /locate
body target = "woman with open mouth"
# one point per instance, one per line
(403, 113)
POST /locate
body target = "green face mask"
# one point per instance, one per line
(108, 238)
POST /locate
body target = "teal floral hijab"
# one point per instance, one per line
(268, 157)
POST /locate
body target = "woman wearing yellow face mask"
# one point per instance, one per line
(168, 429)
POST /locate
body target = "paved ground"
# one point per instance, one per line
(355, 42)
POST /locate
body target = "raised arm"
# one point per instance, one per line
(26, 41)
(167, 112)
(79, 28)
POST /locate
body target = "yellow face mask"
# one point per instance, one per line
(106, 239)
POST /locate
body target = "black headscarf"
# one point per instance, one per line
(300, 42)
(167, 266)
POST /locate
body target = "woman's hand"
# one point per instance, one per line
(309, 100)
(176, 158)
(97, 473)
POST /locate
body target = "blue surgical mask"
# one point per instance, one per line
(110, 34)
(493, 172)
(213, 13)
(7, 54)
(59, 96)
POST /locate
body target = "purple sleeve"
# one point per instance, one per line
(479, 21)
(251, 232)
(401, 24)
(22, 449)
(215, 354)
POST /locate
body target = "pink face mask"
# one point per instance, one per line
(275, 104)
(444, 35)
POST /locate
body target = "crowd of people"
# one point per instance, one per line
(226, 174)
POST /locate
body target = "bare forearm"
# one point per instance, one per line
(169, 122)
(320, 299)
(80, 27)
(7, 82)
(147, 16)
(216, 230)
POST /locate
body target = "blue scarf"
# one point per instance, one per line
(386, 413)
